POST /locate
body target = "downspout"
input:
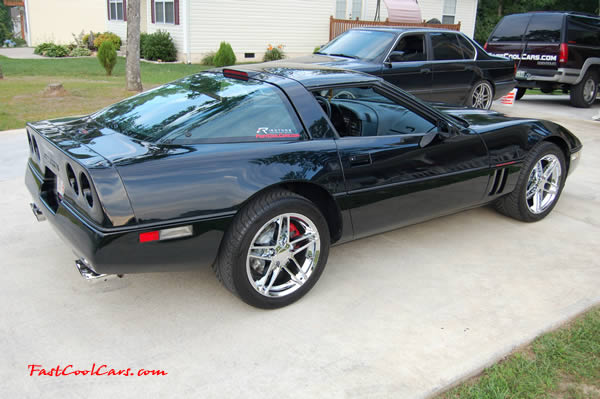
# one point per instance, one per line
(186, 33)
(27, 23)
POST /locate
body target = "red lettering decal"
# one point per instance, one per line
(33, 368)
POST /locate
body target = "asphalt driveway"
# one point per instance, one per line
(398, 315)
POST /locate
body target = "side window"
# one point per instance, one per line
(363, 111)
(544, 28)
(510, 28)
(445, 46)
(583, 31)
(467, 48)
(412, 48)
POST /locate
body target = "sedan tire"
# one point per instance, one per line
(539, 186)
(481, 95)
(274, 251)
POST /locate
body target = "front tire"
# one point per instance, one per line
(481, 95)
(584, 93)
(275, 250)
(539, 186)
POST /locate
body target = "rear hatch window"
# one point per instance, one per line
(544, 28)
(510, 29)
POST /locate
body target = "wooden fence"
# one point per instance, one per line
(339, 26)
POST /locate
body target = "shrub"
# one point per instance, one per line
(224, 55)
(88, 40)
(159, 46)
(316, 49)
(209, 59)
(80, 52)
(143, 41)
(57, 50)
(108, 36)
(107, 55)
(40, 49)
(20, 42)
(274, 53)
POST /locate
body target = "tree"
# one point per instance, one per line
(133, 76)
(6, 25)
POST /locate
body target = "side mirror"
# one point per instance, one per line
(444, 130)
(396, 56)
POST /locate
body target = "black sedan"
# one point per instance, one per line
(260, 169)
(435, 65)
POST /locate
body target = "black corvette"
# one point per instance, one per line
(260, 169)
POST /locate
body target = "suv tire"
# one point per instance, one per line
(584, 93)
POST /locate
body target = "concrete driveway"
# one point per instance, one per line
(398, 315)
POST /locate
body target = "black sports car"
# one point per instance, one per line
(433, 64)
(258, 170)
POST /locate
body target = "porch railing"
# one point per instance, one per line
(339, 26)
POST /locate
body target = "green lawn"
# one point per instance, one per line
(87, 87)
(561, 364)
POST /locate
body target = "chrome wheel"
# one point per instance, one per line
(482, 96)
(283, 255)
(589, 90)
(543, 185)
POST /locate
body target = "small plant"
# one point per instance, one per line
(107, 55)
(274, 53)
(209, 59)
(80, 52)
(57, 50)
(316, 50)
(224, 55)
(108, 36)
(20, 42)
(159, 46)
(40, 49)
(89, 38)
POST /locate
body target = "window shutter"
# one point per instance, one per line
(152, 11)
(176, 11)
(108, 8)
(124, 10)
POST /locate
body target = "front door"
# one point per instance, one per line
(390, 179)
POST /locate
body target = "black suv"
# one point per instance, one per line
(553, 50)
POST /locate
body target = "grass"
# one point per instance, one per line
(561, 364)
(87, 88)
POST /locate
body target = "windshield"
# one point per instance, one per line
(205, 106)
(366, 45)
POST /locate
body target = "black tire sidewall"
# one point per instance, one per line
(243, 286)
(543, 150)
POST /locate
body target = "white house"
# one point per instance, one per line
(197, 27)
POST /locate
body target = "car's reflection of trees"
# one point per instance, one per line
(315, 166)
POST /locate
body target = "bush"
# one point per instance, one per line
(88, 40)
(107, 55)
(57, 50)
(143, 41)
(224, 55)
(274, 53)
(20, 42)
(108, 36)
(40, 49)
(159, 46)
(316, 50)
(209, 59)
(80, 52)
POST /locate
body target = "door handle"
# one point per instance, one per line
(360, 160)
(425, 71)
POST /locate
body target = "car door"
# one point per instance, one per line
(452, 74)
(391, 180)
(408, 67)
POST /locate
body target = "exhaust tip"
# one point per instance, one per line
(86, 271)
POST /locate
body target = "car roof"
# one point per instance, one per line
(309, 75)
(578, 13)
(402, 29)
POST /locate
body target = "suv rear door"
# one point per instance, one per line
(542, 44)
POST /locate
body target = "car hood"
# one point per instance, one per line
(335, 62)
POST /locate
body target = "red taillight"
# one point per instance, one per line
(563, 55)
(485, 46)
(150, 236)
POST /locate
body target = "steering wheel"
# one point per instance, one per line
(345, 94)
(325, 105)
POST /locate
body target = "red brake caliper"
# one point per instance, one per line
(294, 232)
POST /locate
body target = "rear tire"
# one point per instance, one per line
(539, 186)
(520, 93)
(261, 259)
(584, 93)
(481, 95)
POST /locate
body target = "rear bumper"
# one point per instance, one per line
(503, 88)
(119, 251)
(535, 78)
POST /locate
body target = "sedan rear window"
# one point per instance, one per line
(206, 107)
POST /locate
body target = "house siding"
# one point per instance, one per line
(58, 22)
(299, 25)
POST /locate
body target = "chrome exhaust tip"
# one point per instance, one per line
(89, 274)
(37, 212)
